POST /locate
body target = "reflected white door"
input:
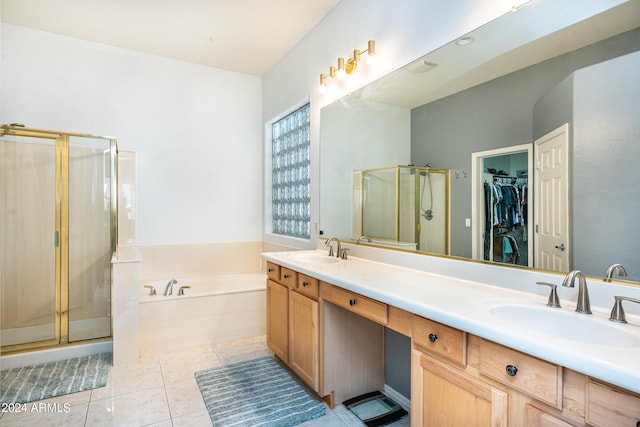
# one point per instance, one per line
(552, 201)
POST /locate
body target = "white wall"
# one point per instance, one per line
(402, 30)
(196, 130)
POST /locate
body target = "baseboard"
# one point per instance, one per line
(399, 398)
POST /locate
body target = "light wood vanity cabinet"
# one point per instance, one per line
(608, 406)
(537, 378)
(292, 321)
(445, 395)
(278, 319)
(440, 339)
(304, 330)
(356, 303)
(456, 378)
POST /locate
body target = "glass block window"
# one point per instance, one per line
(290, 181)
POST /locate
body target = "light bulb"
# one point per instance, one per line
(371, 60)
(323, 89)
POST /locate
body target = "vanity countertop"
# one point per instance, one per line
(467, 305)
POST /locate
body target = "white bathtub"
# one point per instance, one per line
(216, 308)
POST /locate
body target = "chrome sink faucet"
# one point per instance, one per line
(583, 306)
(613, 268)
(338, 247)
(168, 290)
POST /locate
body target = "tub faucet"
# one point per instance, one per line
(363, 238)
(169, 289)
(583, 305)
(338, 248)
(612, 269)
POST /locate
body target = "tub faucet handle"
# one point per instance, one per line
(182, 288)
(152, 289)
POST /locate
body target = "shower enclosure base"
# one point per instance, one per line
(54, 354)
(82, 329)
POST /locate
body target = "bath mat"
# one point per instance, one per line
(22, 385)
(256, 392)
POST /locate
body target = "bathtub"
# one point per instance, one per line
(215, 309)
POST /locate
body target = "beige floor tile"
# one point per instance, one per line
(181, 366)
(134, 409)
(184, 398)
(165, 423)
(130, 378)
(240, 351)
(197, 419)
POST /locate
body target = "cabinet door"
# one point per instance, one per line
(303, 335)
(447, 396)
(538, 418)
(277, 319)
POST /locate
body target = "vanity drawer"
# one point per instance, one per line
(607, 406)
(440, 339)
(361, 305)
(273, 271)
(537, 378)
(308, 286)
(288, 277)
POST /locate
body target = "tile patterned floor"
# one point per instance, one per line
(158, 391)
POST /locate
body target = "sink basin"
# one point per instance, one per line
(314, 258)
(568, 325)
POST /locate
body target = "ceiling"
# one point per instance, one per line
(246, 36)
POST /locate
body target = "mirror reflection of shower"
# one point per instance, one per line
(404, 206)
(426, 213)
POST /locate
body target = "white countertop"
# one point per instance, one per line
(467, 305)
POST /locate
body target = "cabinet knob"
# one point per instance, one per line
(352, 302)
(512, 370)
(286, 276)
(305, 284)
(271, 270)
(433, 337)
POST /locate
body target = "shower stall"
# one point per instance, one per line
(404, 206)
(58, 234)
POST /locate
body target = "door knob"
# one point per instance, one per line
(561, 247)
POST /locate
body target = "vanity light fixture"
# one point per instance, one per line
(349, 66)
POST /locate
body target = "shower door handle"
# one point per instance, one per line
(57, 238)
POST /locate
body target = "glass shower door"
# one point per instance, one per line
(28, 238)
(90, 241)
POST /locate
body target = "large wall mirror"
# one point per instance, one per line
(550, 84)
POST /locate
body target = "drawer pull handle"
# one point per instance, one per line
(305, 284)
(286, 276)
(433, 337)
(352, 302)
(512, 370)
(271, 270)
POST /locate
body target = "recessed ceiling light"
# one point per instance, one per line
(465, 41)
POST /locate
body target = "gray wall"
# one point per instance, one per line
(398, 362)
(601, 105)
(496, 114)
(606, 165)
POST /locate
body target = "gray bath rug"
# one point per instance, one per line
(22, 385)
(256, 392)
